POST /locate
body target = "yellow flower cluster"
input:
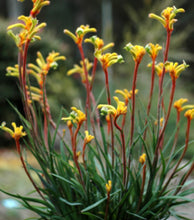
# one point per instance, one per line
(125, 93)
(137, 51)
(80, 70)
(109, 109)
(76, 116)
(174, 69)
(16, 133)
(29, 29)
(167, 18)
(142, 158)
(88, 137)
(108, 186)
(37, 6)
(153, 50)
(79, 33)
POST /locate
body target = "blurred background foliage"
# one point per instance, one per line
(115, 21)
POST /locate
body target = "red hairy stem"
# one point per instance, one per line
(177, 132)
(123, 149)
(168, 112)
(74, 147)
(111, 121)
(160, 98)
(26, 170)
(87, 81)
(133, 100)
(150, 96)
(185, 178)
(182, 156)
(142, 186)
(124, 116)
(107, 205)
(93, 72)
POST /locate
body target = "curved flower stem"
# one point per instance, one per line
(133, 100)
(142, 186)
(26, 170)
(111, 121)
(185, 178)
(83, 154)
(182, 156)
(123, 149)
(160, 98)
(124, 116)
(87, 82)
(107, 206)
(74, 148)
(93, 72)
(150, 97)
(177, 132)
(168, 112)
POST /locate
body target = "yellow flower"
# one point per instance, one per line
(174, 69)
(88, 137)
(108, 186)
(13, 71)
(109, 109)
(142, 158)
(178, 104)
(43, 66)
(161, 122)
(80, 70)
(153, 50)
(76, 116)
(189, 114)
(109, 59)
(79, 33)
(167, 18)
(137, 51)
(98, 44)
(29, 28)
(16, 133)
(125, 93)
(37, 6)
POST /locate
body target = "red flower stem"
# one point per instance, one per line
(93, 72)
(124, 116)
(75, 155)
(87, 81)
(182, 156)
(44, 97)
(111, 122)
(160, 98)
(168, 112)
(185, 178)
(123, 149)
(83, 154)
(177, 132)
(107, 205)
(150, 96)
(142, 186)
(133, 100)
(26, 170)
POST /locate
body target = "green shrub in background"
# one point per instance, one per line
(126, 172)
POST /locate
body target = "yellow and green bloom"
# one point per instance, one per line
(79, 33)
(16, 133)
(88, 137)
(142, 158)
(76, 116)
(136, 51)
(174, 69)
(167, 18)
(153, 50)
(80, 70)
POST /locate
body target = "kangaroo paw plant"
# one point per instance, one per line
(107, 165)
